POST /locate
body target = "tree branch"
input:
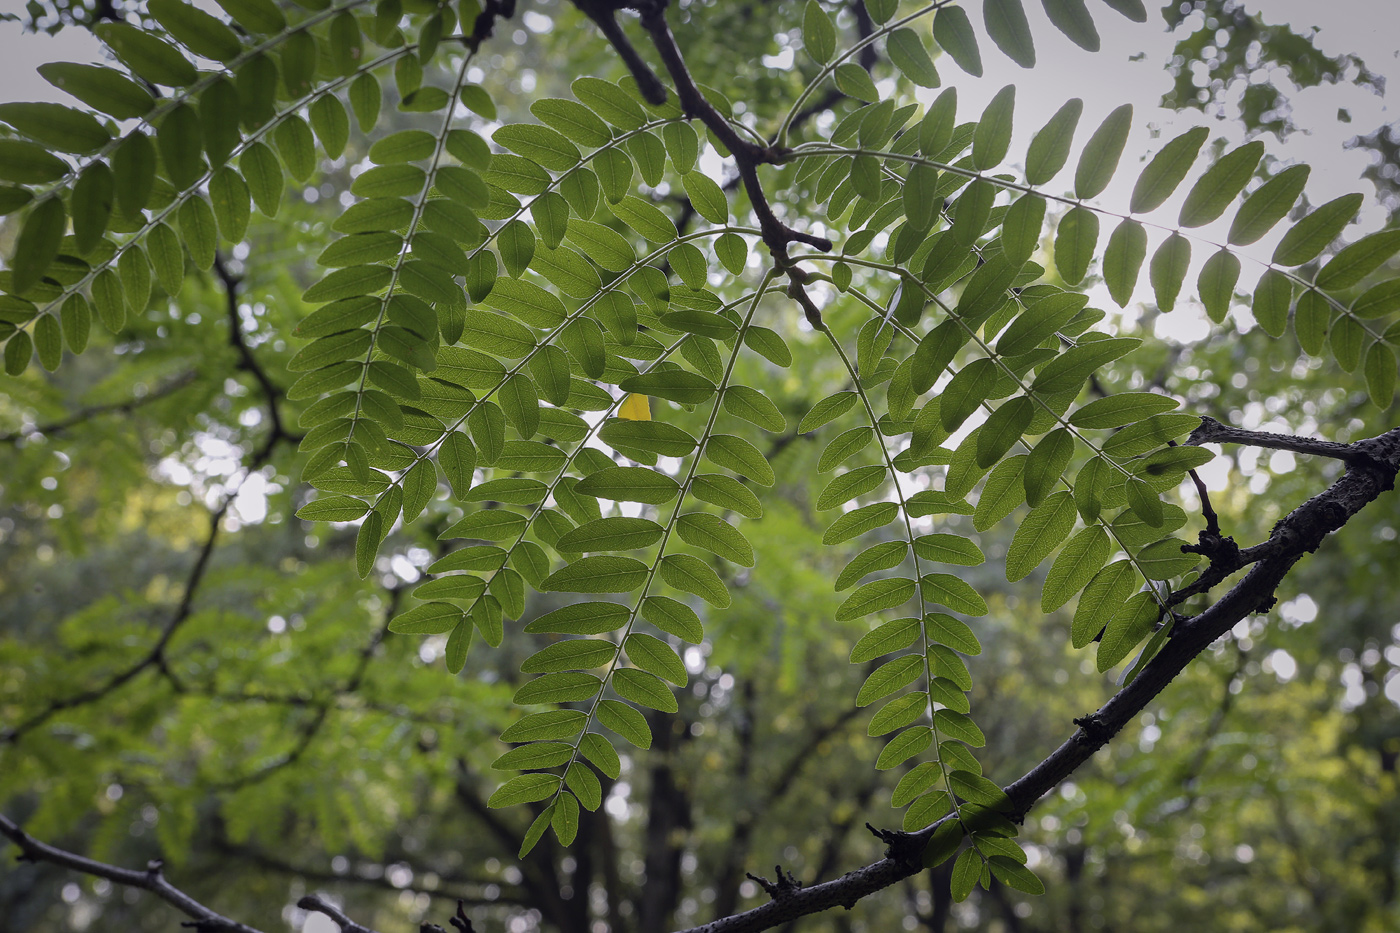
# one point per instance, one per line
(205, 919)
(321, 905)
(1213, 432)
(1373, 465)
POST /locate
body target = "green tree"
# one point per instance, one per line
(554, 459)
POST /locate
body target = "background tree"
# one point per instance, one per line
(647, 350)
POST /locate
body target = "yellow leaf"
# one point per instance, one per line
(635, 407)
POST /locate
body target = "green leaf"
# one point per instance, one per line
(754, 407)
(600, 574)
(18, 349)
(181, 144)
(546, 726)
(1012, 873)
(1043, 530)
(524, 788)
(1168, 269)
(1002, 429)
(38, 243)
(586, 618)
(1006, 24)
(875, 596)
(1214, 191)
(1272, 298)
(1120, 409)
(1050, 148)
(1046, 464)
(538, 754)
(428, 619)
(860, 521)
(48, 341)
(1216, 283)
(1379, 370)
(625, 721)
(134, 166)
(904, 746)
(726, 492)
(629, 484)
(196, 30)
(854, 81)
(101, 88)
(1104, 596)
(1082, 557)
(1072, 18)
(952, 30)
(29, 163)
(1100, 158)
(1347, 337)
(677, 385)
(673, 617)
(993, 135)
(1167, 170)
(714, 534)
(849, 485)
(644, 689)
(827, 410)
(818, 33)
(739, 455)
(1128, 627)
(1268, 205)
(56, 126)
(692, 575)
(1075, 241)
(647, 437)
(1311, 235)
(150, 57)
(907, 51)
(1358, 260)
(949, 549)
(653, 655)
(885, 639)
(574, 654)
(1122, 260)
(967, 871)
(953, 592)
(890, 677)
(1070, 369)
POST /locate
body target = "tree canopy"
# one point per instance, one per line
(511, 465)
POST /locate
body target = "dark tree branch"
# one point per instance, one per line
(1373, 465)
(247, 362)
(485, 22)
(1213, 432)
(112, 408)
(321, 905)
(604, 14)
(151, 879)
(748, 156)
